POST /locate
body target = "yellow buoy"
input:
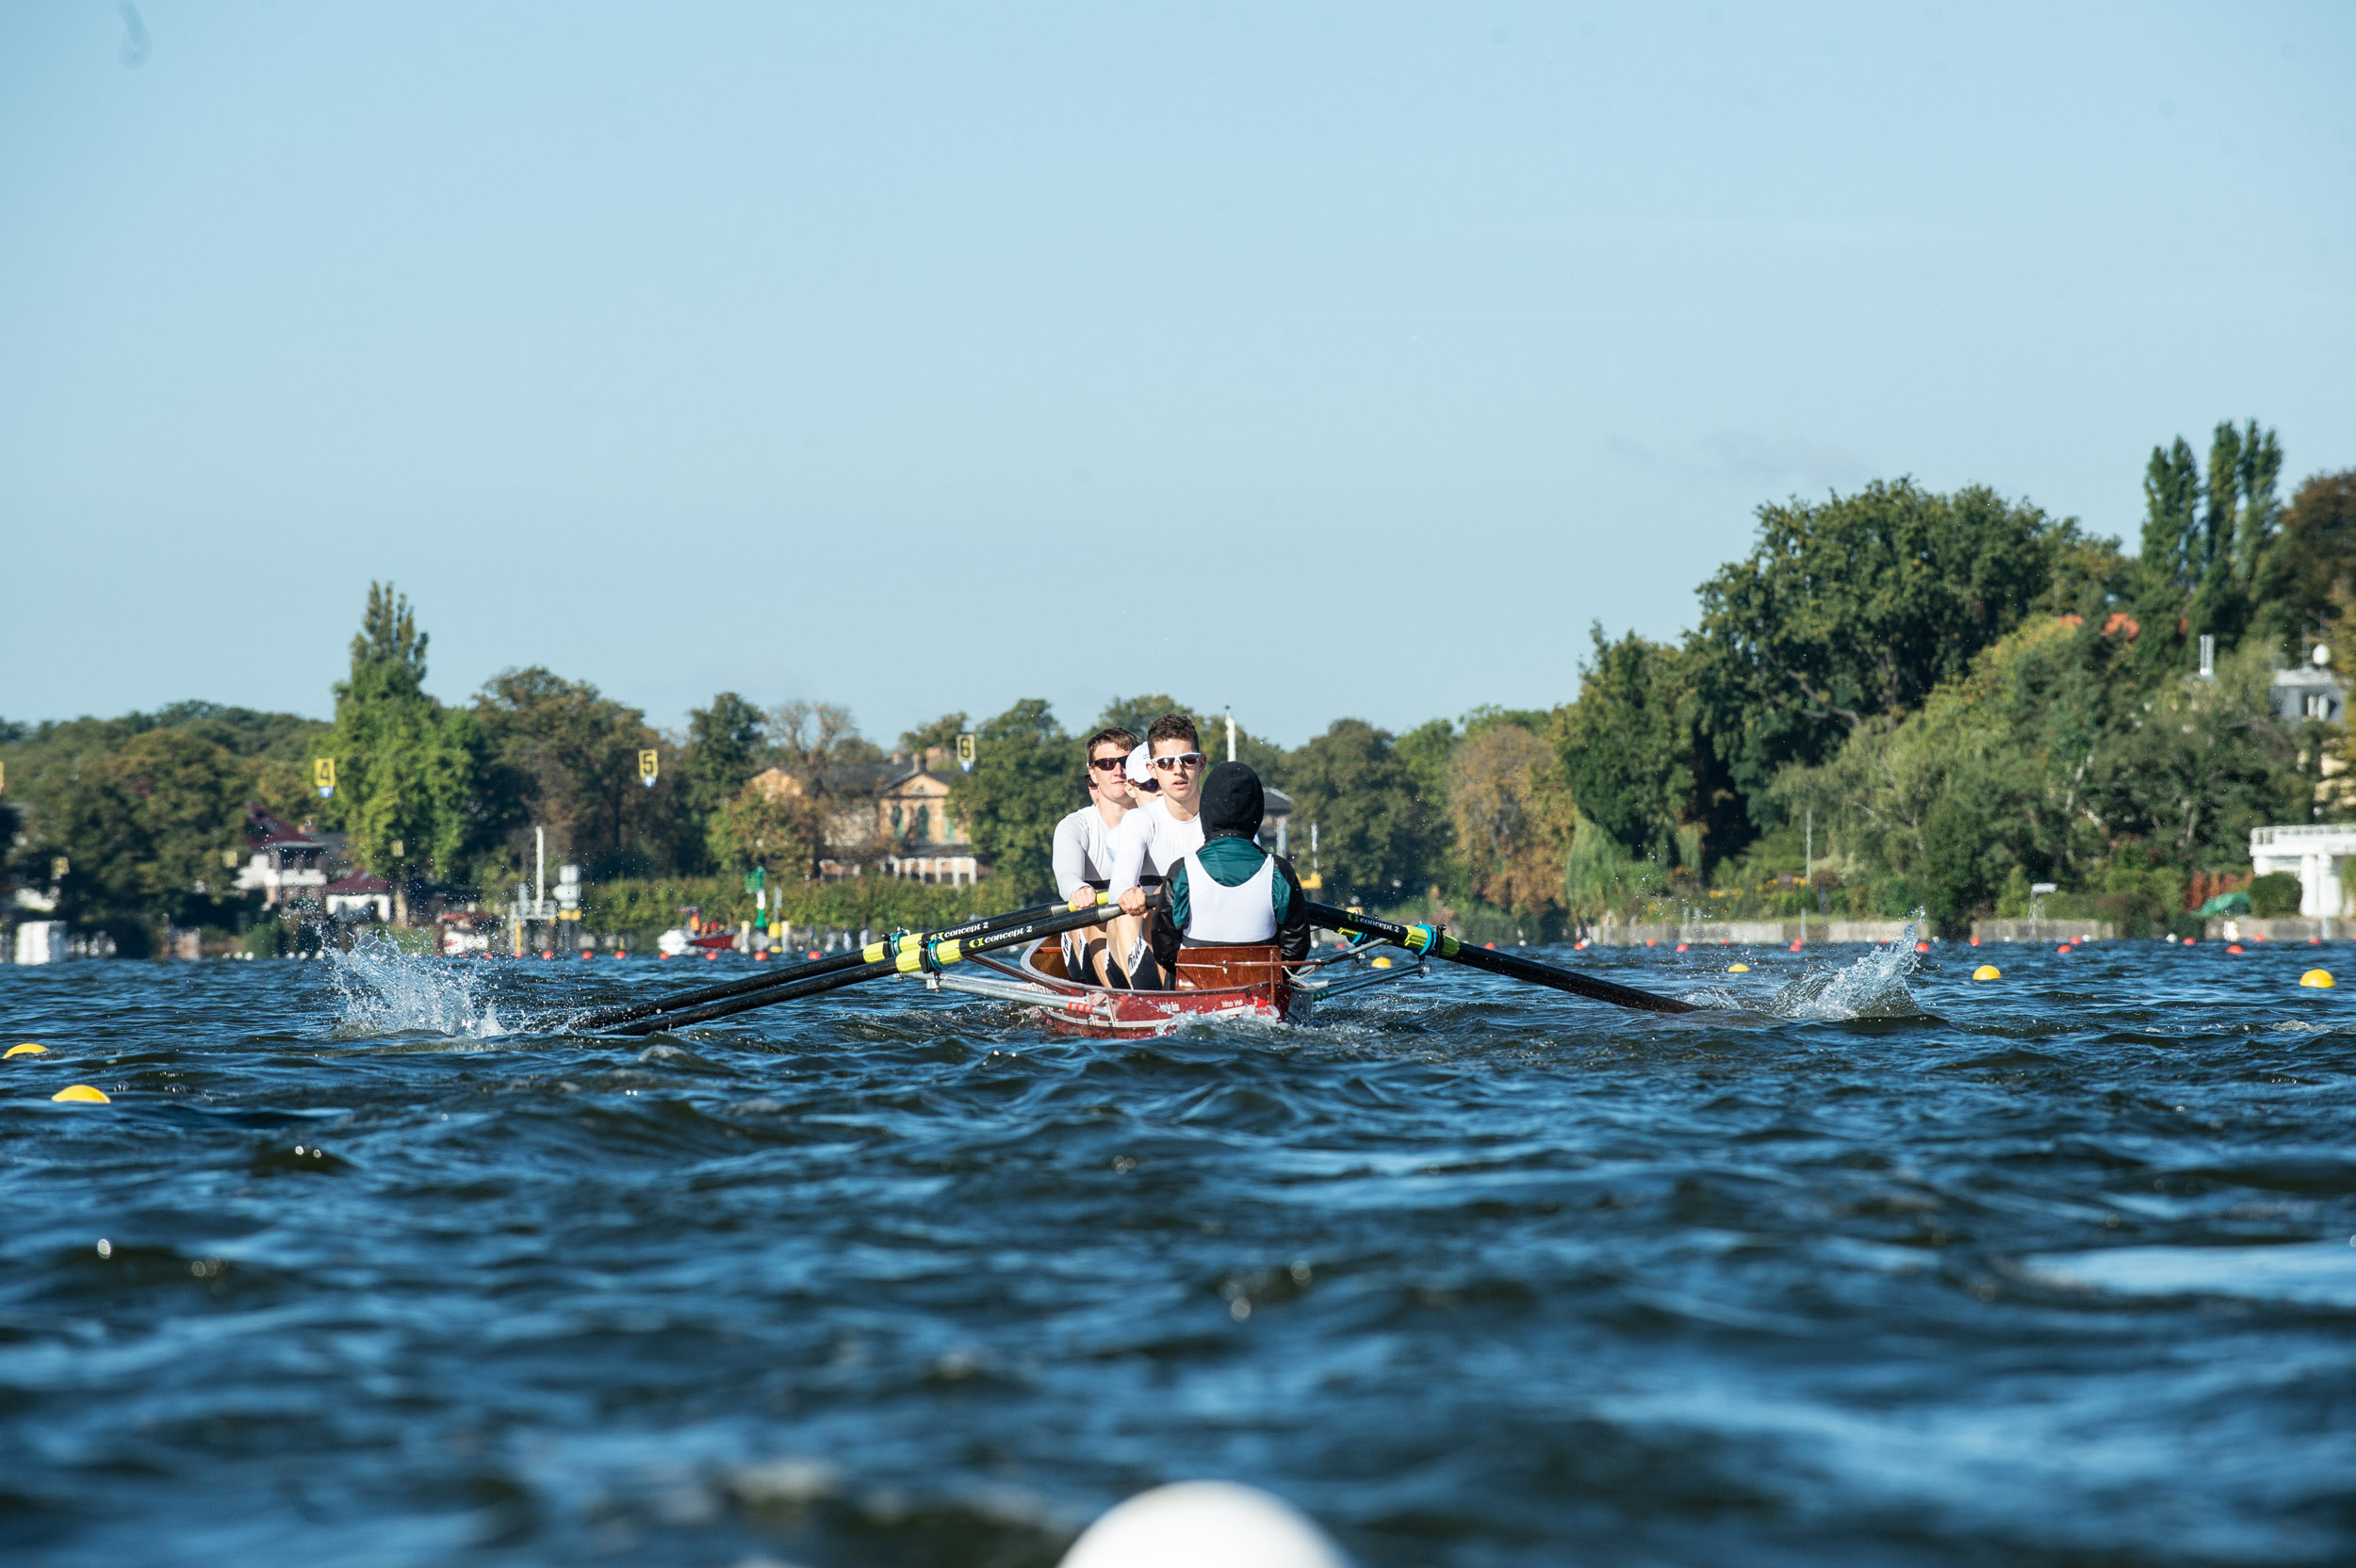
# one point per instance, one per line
(2319, 978)
(81, 1094)
(27, 1049)
(1988, 972)
(1381, 963)
(1738, 969)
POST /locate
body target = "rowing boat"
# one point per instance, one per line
(1215, 984)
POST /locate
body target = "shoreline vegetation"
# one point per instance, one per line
(1899, 699)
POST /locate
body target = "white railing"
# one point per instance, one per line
(2304, 833)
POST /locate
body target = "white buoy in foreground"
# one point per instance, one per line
(1204, 1525)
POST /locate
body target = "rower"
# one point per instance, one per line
(1163, 829)
(1084, 844)
(1230, 893)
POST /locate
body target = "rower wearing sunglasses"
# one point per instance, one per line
(1083, 854)
(1162, 831)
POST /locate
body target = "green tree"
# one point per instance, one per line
(2312, 574)
(1371, 844)
(404, 765)
(1025, 779)
(1513, 819)
(1627, 746)
(2238, 529)
(940, 734)
(1858, 607)
(2173, 556)
(1955, 862)
(726, 746)
(563, 755)
(143, 830)
(1428, 752)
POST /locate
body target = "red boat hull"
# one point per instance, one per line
(1102, 1012)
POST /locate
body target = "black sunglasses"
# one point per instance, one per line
(1107, 765)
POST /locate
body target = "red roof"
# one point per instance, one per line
(265, 831)
(359, 882)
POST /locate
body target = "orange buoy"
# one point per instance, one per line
(1795, 947)
(813, 952)
(1493, 947)
(1680, 947)
(2064, 948)
(1921, 947)
(1976, 942)
(2232, 947)
(1647, 943)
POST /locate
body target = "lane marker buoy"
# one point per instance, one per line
(1381, 963)
(80, 1094)
(2319, 978)
(1738, 969)
(2064, 948)
(2232, 947)
(27, 1049)
(1921, 947)
(1680, 947)
(1988, 972)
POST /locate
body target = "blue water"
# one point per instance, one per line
(1882, 1267)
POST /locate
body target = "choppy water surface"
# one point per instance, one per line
(1910, 1270)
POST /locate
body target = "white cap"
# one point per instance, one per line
(1139, 768)
(1198, 1523)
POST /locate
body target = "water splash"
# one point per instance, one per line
(384, 990)
(1872, 987)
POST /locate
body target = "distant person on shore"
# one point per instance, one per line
(1083, 854)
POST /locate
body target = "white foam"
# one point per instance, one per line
(386, 992)
(2316, 1273)
(1872, 987)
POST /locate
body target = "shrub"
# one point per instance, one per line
(2274, 895)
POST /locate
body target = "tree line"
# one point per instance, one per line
(1960, 695)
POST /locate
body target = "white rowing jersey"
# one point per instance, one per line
(1084, 851)
(1149, 842)
(1221, 915)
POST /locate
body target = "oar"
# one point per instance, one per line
(1423, 938)
(908, 941)
(917, 955)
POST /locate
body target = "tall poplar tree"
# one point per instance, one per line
(404, 764)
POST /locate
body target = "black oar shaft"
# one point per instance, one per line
(841, 963)
(1423, 939)
(931, 953)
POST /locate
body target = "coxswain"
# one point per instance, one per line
(1083, 854)
(1229, 892)
(1165, 828)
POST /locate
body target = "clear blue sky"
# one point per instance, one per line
(1318, 359)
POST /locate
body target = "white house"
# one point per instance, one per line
(2313, 852)
(359, 896)
(282, 860)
